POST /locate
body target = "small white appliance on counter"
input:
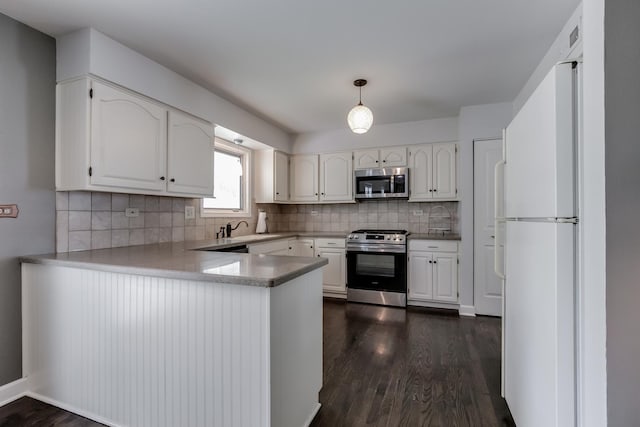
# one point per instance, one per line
(540, 223)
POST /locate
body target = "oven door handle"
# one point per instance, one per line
(390, 249)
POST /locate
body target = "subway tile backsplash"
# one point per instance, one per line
(93, 220)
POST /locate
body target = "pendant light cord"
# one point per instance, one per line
(360, 102)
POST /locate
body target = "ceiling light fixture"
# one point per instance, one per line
(360, 118)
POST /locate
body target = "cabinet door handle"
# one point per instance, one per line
(162, 178)
(172, 180)
(435, 262)
(384, 161)
(316, 194)
(322, 194)
(311, 247)
(377, 161)
(277, 194)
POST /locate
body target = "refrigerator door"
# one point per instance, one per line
(539, 324)
(539, 172)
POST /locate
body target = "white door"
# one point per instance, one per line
(487, 286)
(444, 171)
(445, 277)
(302, 247)
(420, 276)
(281, 176)
(336, 177)
(304, 178)
(366, 159)
(421, 172)
(190, 155)
(128, 140)
(539, 323)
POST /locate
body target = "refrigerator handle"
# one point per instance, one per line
(498, 254)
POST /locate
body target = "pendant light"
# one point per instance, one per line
(360, 118)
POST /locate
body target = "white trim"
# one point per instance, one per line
(13, 391)
(467, 310)
(247, 166)
(432, 304)
(71, 408)
(312, 415)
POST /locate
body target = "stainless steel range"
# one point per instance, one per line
(377, 267)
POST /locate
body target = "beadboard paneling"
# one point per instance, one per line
(141, 351)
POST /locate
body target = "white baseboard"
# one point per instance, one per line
(313, 415)
(12, 391)
(467, 310)
(71, 408)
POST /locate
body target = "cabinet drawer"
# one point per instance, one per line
(433, 245)
(330, 243)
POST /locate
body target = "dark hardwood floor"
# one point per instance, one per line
(382, 367)
(393, 367)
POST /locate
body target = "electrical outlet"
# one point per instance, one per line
(8, 211)
(418, 212)
(189, 212)
(314, 213)
(132, 212)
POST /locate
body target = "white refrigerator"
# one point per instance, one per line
(536, 252)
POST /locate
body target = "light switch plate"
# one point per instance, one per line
(314, 213)
(189, 212)
(9, 211)
(418, 212)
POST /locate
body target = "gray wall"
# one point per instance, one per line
(27, 119)
(622, 163)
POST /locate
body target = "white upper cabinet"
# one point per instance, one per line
(128, 140)
(393, 157)
(336, 177)
(444, 171)
(380, 158)
(304, 178)
(190, 155)
(109, 139)
(366, 159)
(272, 176)
(432, 172)
(281, 176)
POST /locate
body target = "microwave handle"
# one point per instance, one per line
(392, 184)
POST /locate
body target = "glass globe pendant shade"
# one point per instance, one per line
(360, 119)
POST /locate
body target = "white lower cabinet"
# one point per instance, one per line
(334, 274)
(433, 272)
(301, 247)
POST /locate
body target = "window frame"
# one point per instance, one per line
(246, 161)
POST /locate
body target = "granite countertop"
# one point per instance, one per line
(434, 236)
(177, 261)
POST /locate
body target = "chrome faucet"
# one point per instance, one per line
(229, 229)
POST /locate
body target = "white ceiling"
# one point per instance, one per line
(293, 62)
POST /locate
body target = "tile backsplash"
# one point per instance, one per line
(95, 220)
(384, 214)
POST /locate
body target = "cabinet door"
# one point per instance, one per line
(190, 155)
(445, 277)
(280, 176)
(128, 140)
(336, 177)
(393, 157)
(444, 171)
(365, 159)
(421, 172)
(304, 178)
(301, 247)
(333, 274)
(420, 276)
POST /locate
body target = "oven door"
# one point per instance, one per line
(377, 271)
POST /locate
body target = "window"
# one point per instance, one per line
(230, 182)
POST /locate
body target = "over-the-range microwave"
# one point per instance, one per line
(381, 183)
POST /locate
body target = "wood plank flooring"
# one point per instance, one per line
(393, 367)
(382, 367)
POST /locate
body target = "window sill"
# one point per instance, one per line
(212, 213)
